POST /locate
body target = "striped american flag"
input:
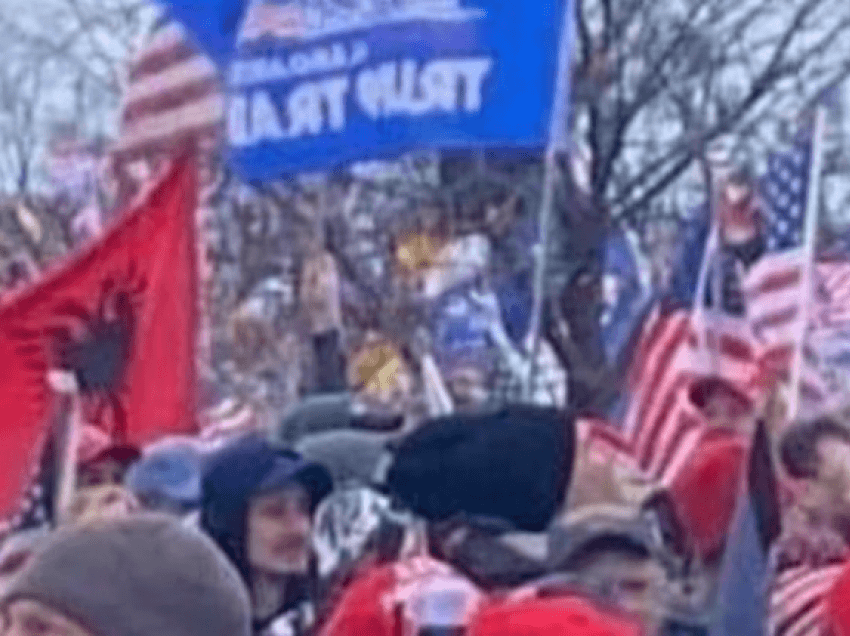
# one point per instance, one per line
(808, 562)
(173, 97)
(662, 426)
(774, 286)
(797, 600)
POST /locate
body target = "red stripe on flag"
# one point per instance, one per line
(776, 319)
(148, 64)
(775, 281)
(661, 351)
(193, 90)
(661, 420)
(686, 422)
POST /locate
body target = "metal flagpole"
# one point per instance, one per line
(698, 308)
(557, 142)
(812, 210)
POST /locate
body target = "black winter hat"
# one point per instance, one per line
(514, 464)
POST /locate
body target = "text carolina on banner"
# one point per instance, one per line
(309, 89)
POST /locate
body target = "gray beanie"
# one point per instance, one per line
(137, 576)
(350, 456)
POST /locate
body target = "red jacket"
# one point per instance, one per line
(705, 491)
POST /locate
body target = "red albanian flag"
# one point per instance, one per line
(122, 316)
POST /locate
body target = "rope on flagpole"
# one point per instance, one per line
(812, 211)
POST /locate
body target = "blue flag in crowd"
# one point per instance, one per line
(314, 85)
(690, 253)
(212, 25)
(741, 604)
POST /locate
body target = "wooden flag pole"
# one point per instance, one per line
(65, 384)
(557, 143)
(812, 211)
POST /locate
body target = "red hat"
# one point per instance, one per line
(388, 600)
(705, 491)
(560, 616)
(838, 605)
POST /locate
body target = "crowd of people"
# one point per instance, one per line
(380, 505)
(343, 519)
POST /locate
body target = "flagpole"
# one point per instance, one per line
(698, 308)
(557, 142)
(812, 210)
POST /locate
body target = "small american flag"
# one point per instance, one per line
(773, 287)
(173, 97)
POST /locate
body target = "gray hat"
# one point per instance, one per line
(570, 540)
(314, 414)
(172, 473)
(137, 576)
(350, 456)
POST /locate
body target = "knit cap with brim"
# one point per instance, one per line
(139, 576)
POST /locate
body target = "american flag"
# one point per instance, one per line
(774, 286)
(662, 426)
(173, 97)
(797, 601)
(808, 563)
(667, 426)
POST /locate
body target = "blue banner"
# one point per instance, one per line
(317, 85)
(461, 329)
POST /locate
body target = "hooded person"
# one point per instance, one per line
(131, 577)
(257, 504)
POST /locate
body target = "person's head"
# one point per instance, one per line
(381, 376)
(469, 386)
(818, 452)
(258, 504)
(167, 479)
(108, 467)
(722, 405)
(279, 524)
(618, 560)
(98, 503)
(133, 577)
(739, 218)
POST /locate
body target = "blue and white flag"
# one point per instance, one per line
(314, 85)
